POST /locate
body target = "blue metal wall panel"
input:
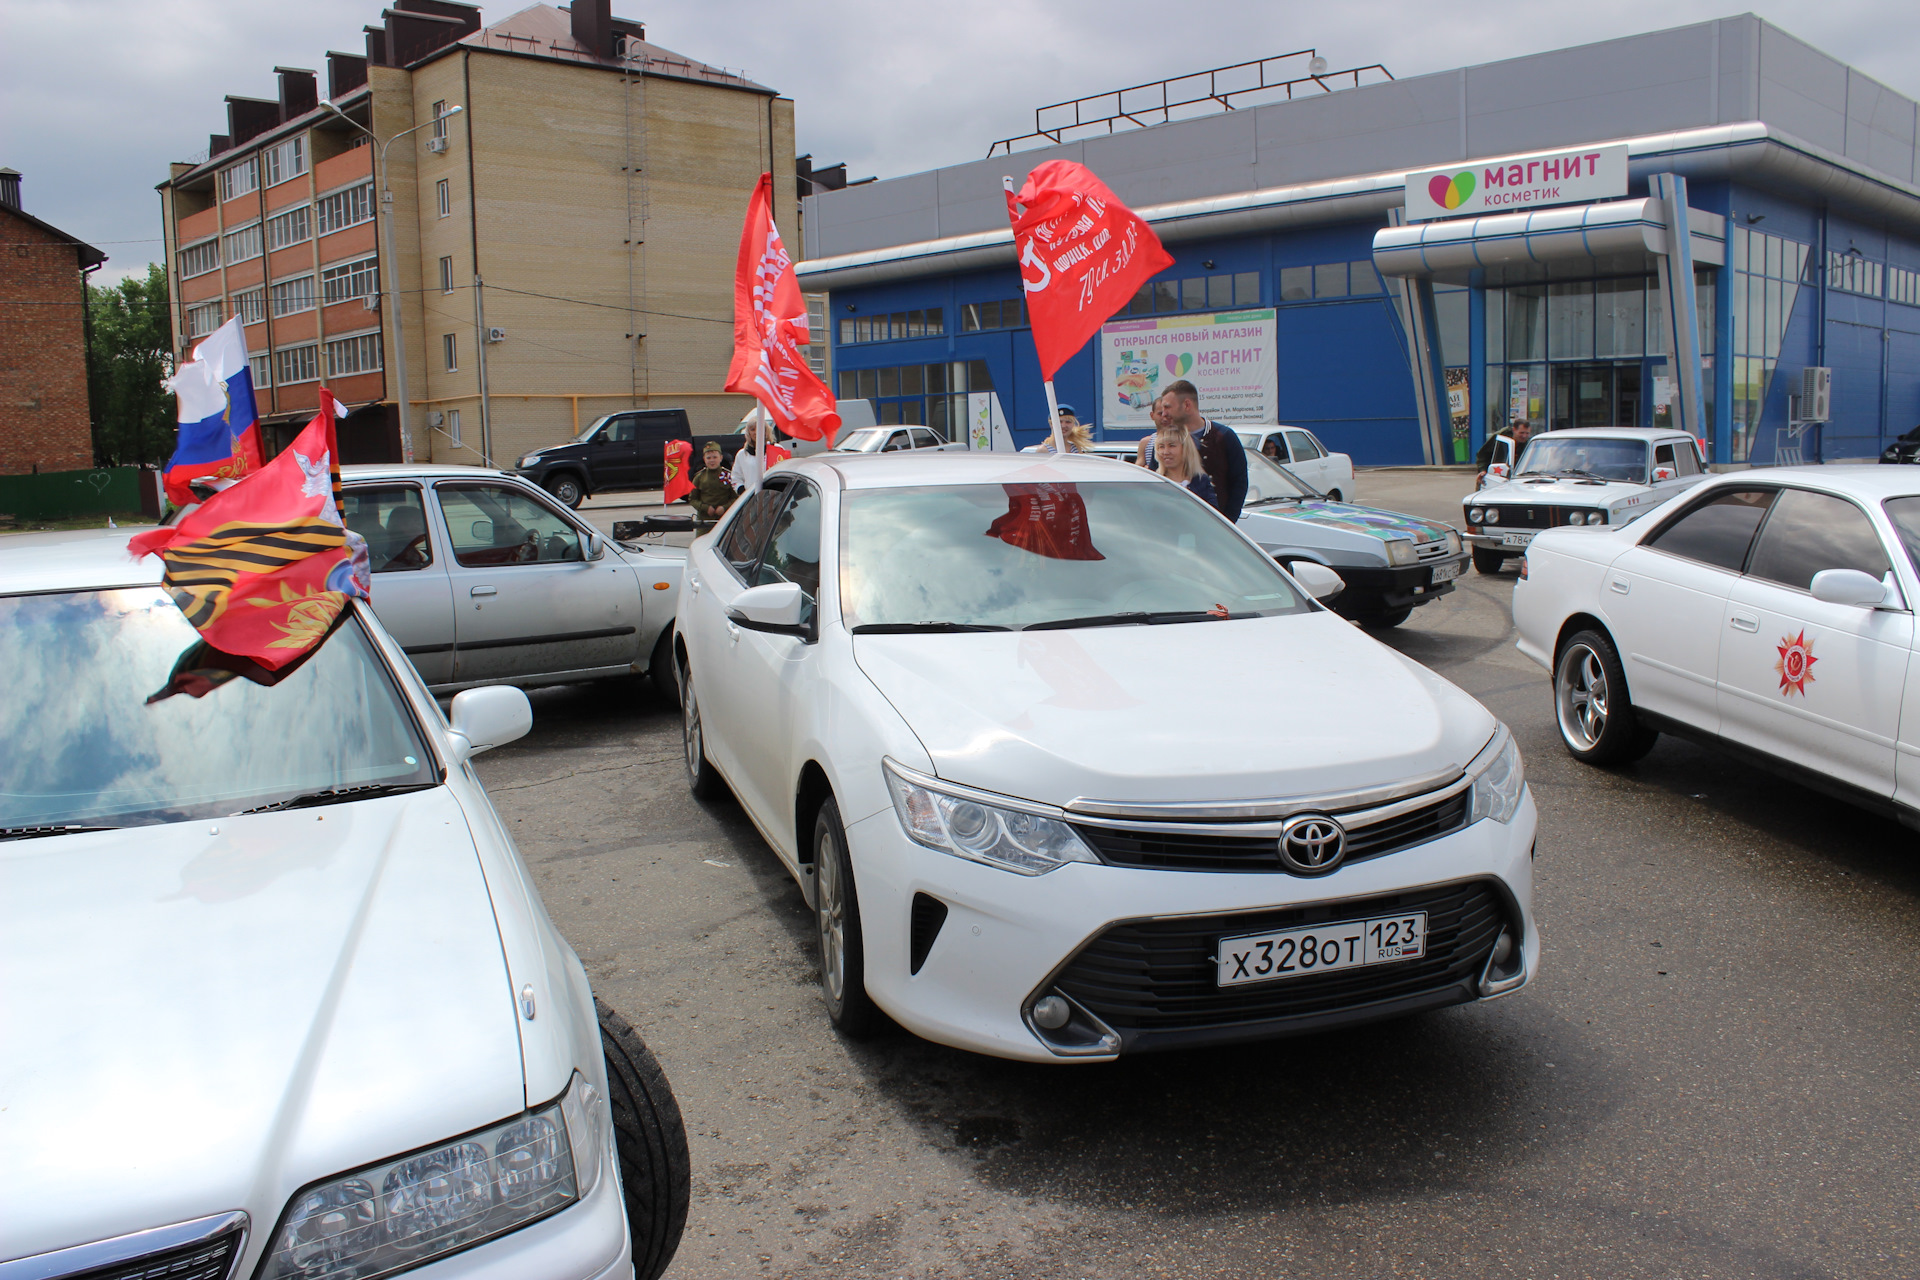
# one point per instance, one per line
(1343, 374)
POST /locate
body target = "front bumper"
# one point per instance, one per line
(1380, 590)
(1007, 938)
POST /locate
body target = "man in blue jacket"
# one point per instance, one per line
(1221, 452)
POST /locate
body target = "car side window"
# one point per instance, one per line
(793, 552)
(895, 442)
(620, 431)
(747, 532)
(1905, 514)
(393, 520)
(1717, 532)
(1303, 448)
(503, 525)
(1807, 532)
(924, 439)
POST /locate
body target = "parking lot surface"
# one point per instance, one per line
(1715, 1073)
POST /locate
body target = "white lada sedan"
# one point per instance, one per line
(1766, 611)
(974, 703)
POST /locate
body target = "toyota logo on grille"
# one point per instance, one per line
(1312, 844)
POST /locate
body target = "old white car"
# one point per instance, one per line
(1300, 451)
(1580, 477)
(1770, 612)
(283, 1000)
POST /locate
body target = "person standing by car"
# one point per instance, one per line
(749, 464)
(1077, 434)
(713, 490)
(1517, 433)
(1143, 452)
(1221, 453)
(1177, 457)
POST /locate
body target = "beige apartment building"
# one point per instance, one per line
(566, 212)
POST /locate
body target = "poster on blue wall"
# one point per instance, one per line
(1228, 355)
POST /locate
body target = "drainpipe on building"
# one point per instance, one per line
(480, 346)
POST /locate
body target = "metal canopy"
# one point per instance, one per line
(1614, 237)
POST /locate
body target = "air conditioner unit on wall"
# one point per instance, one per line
(1816, 393)
(496, 335)
(436, 145)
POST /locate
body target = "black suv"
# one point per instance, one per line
(623, 450)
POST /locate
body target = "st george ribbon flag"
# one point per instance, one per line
(1083, 255)
(770, 327)
(264, 567)
(219, 425)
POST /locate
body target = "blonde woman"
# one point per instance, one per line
(1176, 457)
(1077, 434)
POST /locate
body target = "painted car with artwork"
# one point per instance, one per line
(1769, 612)
(1582, 476)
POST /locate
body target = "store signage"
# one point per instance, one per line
(1518, 182)
(1229, 357)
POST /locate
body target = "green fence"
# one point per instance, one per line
(69, 495)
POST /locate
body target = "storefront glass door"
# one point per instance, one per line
(1595, 394)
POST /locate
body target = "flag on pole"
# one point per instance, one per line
(777, 454)
(770, 327)
(219, 425)
(264, 567)
(679, 471)
(1083, 255)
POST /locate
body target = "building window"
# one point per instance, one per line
(1903, 286)
(250, 306)
(453, 422)
(1327, 280)
(346, 208)
(203, 320)
(242, 244)
(933, 395)
(350, 280)
(198, 259)
(287, 160)
(353, 355)
(289, 228)
(1197, 293)
(930, 323)
(440, 120)
(443, 197)
(261, 369)
(818, 331)
(1767, 273)
(450, 348)
(293, 296)
(446, 275)
(1851, 273)
(239, 179)
(1009, 313)
(298, 364)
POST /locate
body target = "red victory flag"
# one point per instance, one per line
(679, 470)
(1048, 519)
(777, 454)
(770, 327)
(264, 568)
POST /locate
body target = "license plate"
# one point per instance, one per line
(1446, 572)
(1323, 948)
(1515, 539)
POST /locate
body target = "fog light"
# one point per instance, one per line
(1051, 1012)
(1503, 950)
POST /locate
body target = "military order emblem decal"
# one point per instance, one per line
(1795, 665)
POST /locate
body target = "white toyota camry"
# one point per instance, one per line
(974, 704)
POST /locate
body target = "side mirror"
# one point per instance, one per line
(1664, 473)
(776, 607)
(1321, 582)
(596, 546)
(483, 719)
(1849, 586)
(1498, 471)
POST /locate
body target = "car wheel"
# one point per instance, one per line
(1596, 717)
(651, 1142)
(1487, 561)
(660, 668)
(1335, 495)
(702, 778)
(566, 488)
(836, 911)
(1390, 618)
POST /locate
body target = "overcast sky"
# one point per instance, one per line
(96, 96)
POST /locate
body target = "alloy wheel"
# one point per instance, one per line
(690, 723)
(1580, 694)
(830, 914)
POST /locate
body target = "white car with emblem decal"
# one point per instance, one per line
(1770, 612)
(1580, 477)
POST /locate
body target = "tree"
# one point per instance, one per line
(130, 350)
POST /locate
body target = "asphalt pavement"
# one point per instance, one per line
(1715, 1072)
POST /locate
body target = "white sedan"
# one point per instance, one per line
(1300, 451)
(969, 702)
(1767, 611)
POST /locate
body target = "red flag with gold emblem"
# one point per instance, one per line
(770, 327)
(679, 470)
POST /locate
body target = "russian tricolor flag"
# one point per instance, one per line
(219, 425)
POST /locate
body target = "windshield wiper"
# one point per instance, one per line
(1278, 497)
(907, 628)
(53, 829)
(338, 795)
(1137, 618)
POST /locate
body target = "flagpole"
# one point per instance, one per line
(1053, 403)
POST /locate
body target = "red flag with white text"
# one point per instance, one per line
(679, 472)
(1083, 255)
(770, 327)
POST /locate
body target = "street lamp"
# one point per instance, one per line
(393, 265)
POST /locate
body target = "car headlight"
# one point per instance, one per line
(966, 824)
(530, 460)
(1596, 517)
(1453, 543)
(1400, 551)
(1498, 780)
(401, 1213)
(1474, 514)
(1577, 517)
(1493, 515)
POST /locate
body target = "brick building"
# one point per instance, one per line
(564, 242)
(44, 416)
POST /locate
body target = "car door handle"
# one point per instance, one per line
(733, 634)
(484, 591)
(1620, 586)
(1746, 622)
(693, 583)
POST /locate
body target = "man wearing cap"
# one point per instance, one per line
(713, 490)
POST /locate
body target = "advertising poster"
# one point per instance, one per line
(1461, 411)
(1228, 355)
(986, 424)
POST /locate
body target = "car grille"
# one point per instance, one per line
(1159, 975)
(1431, 550)
(1172, 850)
(1542, 516)
(202, 1260)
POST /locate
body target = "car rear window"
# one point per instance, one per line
(1719, 531)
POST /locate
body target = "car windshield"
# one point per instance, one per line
(1268, 482)
(859, 441)
(1586, 456)
(1046, 554)
(592, 427)
(83, 669)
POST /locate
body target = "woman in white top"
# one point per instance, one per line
(749, 465)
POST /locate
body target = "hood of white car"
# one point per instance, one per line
(205, 1016)
(1560, 491)
(1264, 707)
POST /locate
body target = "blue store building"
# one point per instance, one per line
(1408, 298)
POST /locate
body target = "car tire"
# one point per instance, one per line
(1335, 495)
(566, 488)
(1590, 703)
(836, 916)
(650, 1141)
(660, 669)
(1488, 562)
(702, 778)
(1388, 618)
